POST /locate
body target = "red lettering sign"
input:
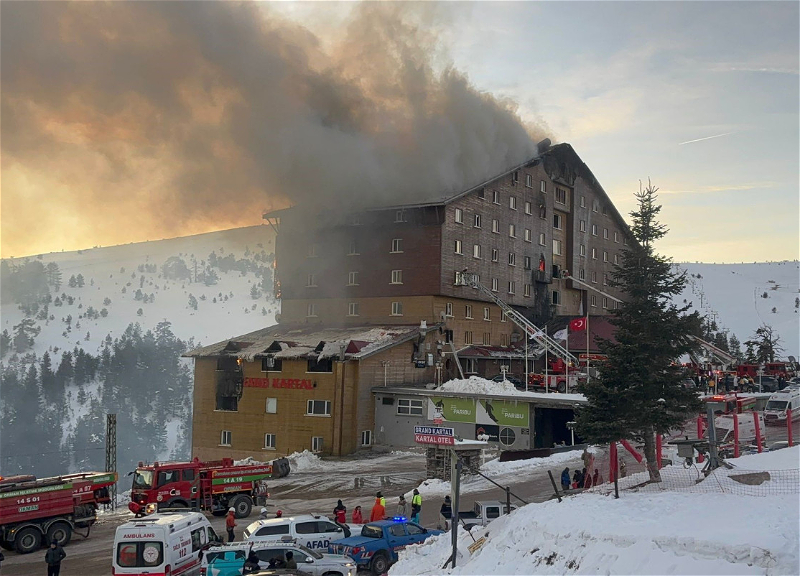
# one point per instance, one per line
(292, 383)
(434, 439)
(256, 382)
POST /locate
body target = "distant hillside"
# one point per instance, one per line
(745, 296)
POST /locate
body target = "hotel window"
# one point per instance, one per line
(366, 438)
(528, 208)
(594, 206)
(605, 302)
(583, 226)
(397, 308)
(494, 284)
(515, 177)
(594, 277)
(477, 221)
(352, 278)
(605, 233)
(605, 256)
(527, 262)
(352, 308)
(311, 281)
(526, 290)
(400, 216)
(616, 258)
(594, 253)
(605, 279)
(528, 180)
(487, 338)
(581, 274)
(406, 407)
(353, 249)
(625, 241)
(397, 276)
(560, 195)
(468, 312)
(558, 221)
(225, 438)
(316, 443)
(482, 193)
(487, 314)
(542, 212)
(271, 364)
(504, 340)
(527, 235)
(583, 201)
(397, 245)
(312, 250)
(582, 250)
(495, 254)
(448, 309)
(512, 287)
(468, 337)
(495, 196)
(448, 336)
(616, 237)
(503, 317)
(542, 239)
(458, 247)
(605, 209)
(594, 301)
(311, 310)
(459, 216)
(557, 247)
(512, 202)
(556, 297)
(496, 226)
(512, 231)
(512, 259)
(470, 366)
(476, 251)
(271, 406)
(616, 305)
(594, 229)
(542, 186)
(269, 441)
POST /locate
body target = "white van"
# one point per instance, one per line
(167, 543)
(778, 403)
(313, 531)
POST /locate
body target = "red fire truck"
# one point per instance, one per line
(213, 486)
(730, 403)
(775, 369)
(49, 509)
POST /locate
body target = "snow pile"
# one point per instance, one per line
(497, 468)
(784, 459)
(478, 385)
(305, 461)
(665, 532)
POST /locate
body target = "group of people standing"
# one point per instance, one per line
(580, 479)
(379, 512)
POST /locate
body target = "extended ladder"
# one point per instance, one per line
(533, 331)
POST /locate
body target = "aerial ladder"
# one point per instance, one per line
(533, 332)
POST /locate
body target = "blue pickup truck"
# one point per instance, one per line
(377, 547)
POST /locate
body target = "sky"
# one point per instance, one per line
(124, 122)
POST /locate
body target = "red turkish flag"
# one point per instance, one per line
(577, 325)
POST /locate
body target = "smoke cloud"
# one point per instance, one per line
(124, 121)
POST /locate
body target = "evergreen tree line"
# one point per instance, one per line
(139, 376)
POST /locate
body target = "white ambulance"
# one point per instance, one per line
(777, 408)
(164, 544)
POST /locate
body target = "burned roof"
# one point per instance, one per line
(312, 341)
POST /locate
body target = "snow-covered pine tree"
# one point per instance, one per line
(638, 393)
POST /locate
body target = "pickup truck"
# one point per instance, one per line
(482, 513)
(377, 547)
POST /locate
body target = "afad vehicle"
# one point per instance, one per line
(35, 511)
(212, 486)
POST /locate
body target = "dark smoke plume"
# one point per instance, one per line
(126, 120)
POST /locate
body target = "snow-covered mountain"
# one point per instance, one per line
(742, 297)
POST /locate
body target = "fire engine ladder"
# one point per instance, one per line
(208, 501)
(533, 331)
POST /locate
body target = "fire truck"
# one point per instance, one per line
(775, 369)
(212, 486)
(34, 510)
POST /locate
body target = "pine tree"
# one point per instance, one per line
(80, 281)
(72, 283)
(5, 343)
(639, 392)
(764, 346)
(735, 348)
(24, 333)
(192, 302)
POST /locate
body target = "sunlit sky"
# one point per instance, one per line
(701, 98)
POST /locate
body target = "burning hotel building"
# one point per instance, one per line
(372, 313)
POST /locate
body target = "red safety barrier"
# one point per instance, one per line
(630, 449)
(789, 426)
(735, 435)
(757, 424)
(700, 435)
(658, 450)
(612, 462)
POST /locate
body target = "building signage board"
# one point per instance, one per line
(503, 413)
(433, 439)
(292, 383)
(452, 409)
(435, 430)
(490, 430)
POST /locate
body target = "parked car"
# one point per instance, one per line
(229, 559)
(313, 530)
(483, 512)
(511, 378)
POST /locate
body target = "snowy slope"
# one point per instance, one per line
(108, 270)
(735, 292)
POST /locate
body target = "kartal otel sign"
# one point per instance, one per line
(293, 383)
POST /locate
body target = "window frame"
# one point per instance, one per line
(476, 251)
(458, 216)
(557, 247)
(558, 221)
(352, 278)
(396, 248)
(267, 402)
(311, 310)
(223, 435)
(411, 405)
(267, 436)
(397, 308)
(368, 441)
(477, 221)
(311, 405)
(458, 248)
(396, 277)
(352, 309)
(317, 444)
(512, 202)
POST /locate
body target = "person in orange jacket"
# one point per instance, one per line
(230, 524)
(378, 511)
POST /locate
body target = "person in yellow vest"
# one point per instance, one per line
(380, 497)
(416, 506)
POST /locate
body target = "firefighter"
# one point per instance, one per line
(230, 524)
(378, 510)
(340, 512)
(416, 506)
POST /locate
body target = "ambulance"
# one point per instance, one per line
(163, 544)
(780, 403)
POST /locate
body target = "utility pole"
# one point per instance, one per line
(111, 454)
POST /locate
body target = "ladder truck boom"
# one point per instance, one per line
(469, 279)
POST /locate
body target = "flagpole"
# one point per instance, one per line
(527, 341)
(566, 386)
(587, 346)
